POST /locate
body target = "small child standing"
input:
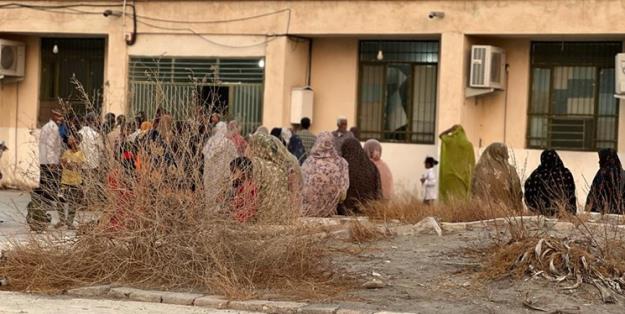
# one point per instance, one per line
(428, 180)
(72, 161)
(244, 193)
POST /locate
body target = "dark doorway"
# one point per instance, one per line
(65, 62)
(215, 99)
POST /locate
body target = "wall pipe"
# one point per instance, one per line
(310, 50)
(133, 36)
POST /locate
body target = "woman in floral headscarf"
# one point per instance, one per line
(271, 177)
(373, 148)
(364, 178)
(495, 181)
(218, 152)
(294, 173)
(326, 178)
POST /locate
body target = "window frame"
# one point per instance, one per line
(598, 68)
(382, 133)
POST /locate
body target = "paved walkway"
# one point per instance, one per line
(13, 218)
(13, 215)
(11, 302)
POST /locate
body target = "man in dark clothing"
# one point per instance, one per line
(307, 137)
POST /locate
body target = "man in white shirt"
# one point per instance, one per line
(50, 147)
(92, 144)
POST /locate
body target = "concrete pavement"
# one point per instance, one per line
(11, 302)
(13, 216)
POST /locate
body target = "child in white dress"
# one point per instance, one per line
(428, 181)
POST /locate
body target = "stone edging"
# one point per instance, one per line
(215, 302)
(339, 228)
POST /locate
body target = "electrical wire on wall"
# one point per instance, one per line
(78, 9)
(270, 36)
(189, 30)
(234, 20)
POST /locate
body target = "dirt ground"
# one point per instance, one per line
(432, 274)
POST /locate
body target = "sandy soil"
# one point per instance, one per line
(431, 274)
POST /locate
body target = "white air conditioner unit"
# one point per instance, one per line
(301, 104)
(619, 75)
(12, 57)
(488, 67)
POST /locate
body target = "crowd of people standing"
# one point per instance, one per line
(285, 172)
(278, 174)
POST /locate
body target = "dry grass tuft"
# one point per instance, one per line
(216, 257)
(409, 209)
(366, 232)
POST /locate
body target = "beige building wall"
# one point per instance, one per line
(18, 119)
(334, 81)
(295, 74)
(502, 116)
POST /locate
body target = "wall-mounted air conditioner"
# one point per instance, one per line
(488, 67)
(301, 104)
(12, 58)
(619, 75)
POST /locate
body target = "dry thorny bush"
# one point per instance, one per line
(155, 228)
(567, 262)
(591, 253)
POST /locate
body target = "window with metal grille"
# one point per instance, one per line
(571, 96)
(232, 87)
(397, 90)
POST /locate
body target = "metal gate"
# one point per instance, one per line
(233, 87)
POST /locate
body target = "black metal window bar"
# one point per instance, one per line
(397, 90)
(571, 103)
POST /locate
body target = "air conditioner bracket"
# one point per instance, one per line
(8, 79)
(473, 92)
